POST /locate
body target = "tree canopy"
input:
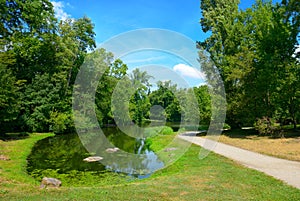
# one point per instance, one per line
(254, 52)
(40, 57)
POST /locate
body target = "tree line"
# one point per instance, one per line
(40, 58)
(254, 50)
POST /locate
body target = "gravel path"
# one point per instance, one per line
(285, 170)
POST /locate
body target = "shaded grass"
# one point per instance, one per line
(213, 178)
(18, 150)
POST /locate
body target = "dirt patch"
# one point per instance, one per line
(183, 193)
(4, 158)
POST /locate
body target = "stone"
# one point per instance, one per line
(93, 159)
(50, 182)
(112, 150)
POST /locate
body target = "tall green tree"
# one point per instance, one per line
(140, 104)
(115, 71)
(165, 97)
(204, 103)
(19, 16)
(9, 96)
(252, 50)
(44, 54)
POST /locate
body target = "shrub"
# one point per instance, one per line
(226, 126)
(166, 130)
(266, 126)
(61, 122)
(163, 130)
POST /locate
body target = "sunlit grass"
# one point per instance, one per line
(213, 178)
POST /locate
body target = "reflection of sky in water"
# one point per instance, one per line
(142, 165)
(70, 152)
(154, 161)
(140, 168)
(133, 156)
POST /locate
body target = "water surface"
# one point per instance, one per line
(65, 153)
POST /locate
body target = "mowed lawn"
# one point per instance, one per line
(287, 147)
(213, 178)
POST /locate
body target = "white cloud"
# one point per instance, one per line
(143, 60)
(188, 71)
(297, 50)
(59, 10)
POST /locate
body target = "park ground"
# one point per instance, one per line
(287, 147)
(212, 178)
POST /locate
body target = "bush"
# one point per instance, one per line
(166, 130)
(266, 126)
(163, 130)
(226, 126)
(61, 122)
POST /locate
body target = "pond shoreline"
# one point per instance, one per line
(187, 179)
(64, 156)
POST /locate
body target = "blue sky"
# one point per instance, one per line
(118, 16)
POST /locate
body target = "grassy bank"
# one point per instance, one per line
(213, 178)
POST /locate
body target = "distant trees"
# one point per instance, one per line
(181, 103)
(115, 71)
(139, 103)
(253, 50)
(165, 97)
(254, 53)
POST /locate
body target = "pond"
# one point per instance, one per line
(65, 154)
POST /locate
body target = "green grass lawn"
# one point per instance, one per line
(213, 178)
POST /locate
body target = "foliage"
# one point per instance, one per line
(190, 104)
(9, 95)
(165, 97)
(253, 50)
(139, 106)
(61, 122)
(204, 103)
(40, 57)
(267, 126)
(226, 126)
(166, 130)
(158, 130)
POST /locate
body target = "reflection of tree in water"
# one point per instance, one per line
(134, 157)
(66, 153)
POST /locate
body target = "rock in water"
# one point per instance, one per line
(112, 150)
(93, 159)
(50, 182)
